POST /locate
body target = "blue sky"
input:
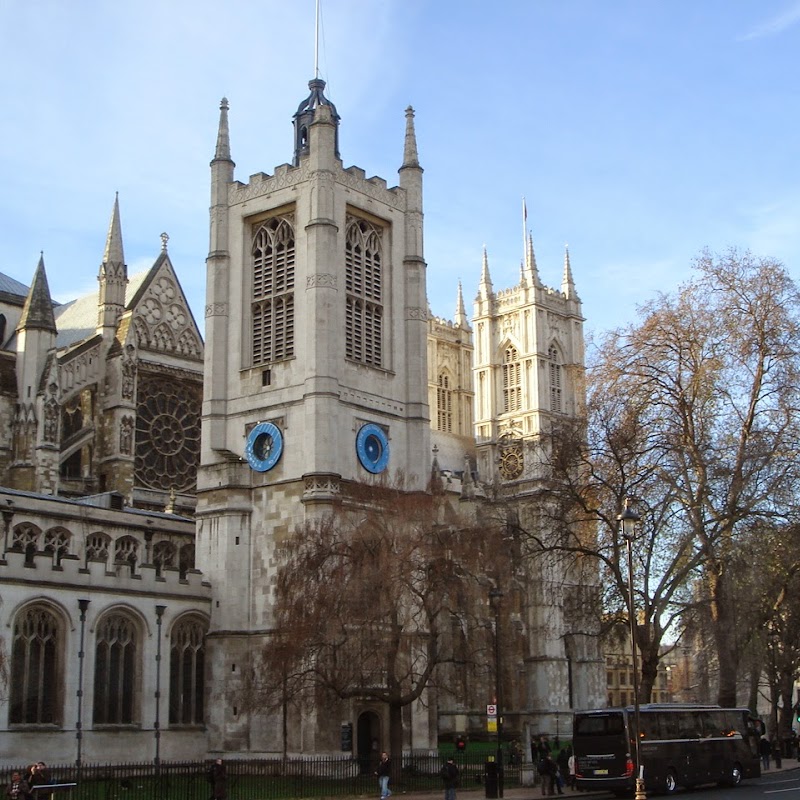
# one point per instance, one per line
(638, 131)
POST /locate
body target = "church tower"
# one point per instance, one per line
(529, 375)
(315, 377)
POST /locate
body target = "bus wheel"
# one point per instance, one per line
(671, 783)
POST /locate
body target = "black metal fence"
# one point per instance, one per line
(260, 779)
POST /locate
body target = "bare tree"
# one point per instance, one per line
(371, 599)
(693, 411)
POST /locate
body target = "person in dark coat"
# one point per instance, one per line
(449, 774)
(218, 779)
(18, 788)
(384, 773)
(548, 769)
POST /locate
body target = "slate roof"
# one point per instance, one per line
(77, 320)
(12, 286)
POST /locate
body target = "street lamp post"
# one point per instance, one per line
(627, 523)
(495, 598)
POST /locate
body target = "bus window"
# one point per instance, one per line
(599, 725)
(649, 726)
(670, 727)
(689, 726)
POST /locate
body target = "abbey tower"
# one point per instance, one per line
(314, 369)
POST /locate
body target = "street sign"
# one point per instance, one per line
(491, 710)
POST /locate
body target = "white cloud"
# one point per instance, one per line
(774, 25)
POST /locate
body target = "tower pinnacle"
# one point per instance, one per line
(410, 156)
(223, 151)
(567, 283)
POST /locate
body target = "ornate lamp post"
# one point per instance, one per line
(627, 525)
(495, 598)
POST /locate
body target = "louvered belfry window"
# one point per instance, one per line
(364, 292)
(273, 255)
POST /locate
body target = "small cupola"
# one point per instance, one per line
(305, 116)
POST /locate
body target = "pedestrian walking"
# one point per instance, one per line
(218, 779)
(449, 775)
(384, 773)
(765, 749)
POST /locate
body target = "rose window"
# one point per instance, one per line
(167, 434)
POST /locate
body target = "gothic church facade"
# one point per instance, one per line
(141, 528)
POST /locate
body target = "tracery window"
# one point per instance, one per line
(187, 672)
(273, 255)
(26, 538)
(186, 559)
(444, 404)
(36, 679)
(363, 292)
(116, 671)
(56, 542)
(163, 556)
(97, 545)
(512, 380)
(555, 380)
(126, 551)
(167, 433)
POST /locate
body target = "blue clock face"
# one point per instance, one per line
(372, 448)
(264, 446)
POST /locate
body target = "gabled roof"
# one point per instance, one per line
(12, 286)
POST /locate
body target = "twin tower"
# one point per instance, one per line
(321, 367)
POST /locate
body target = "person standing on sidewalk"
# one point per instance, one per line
(384, 772)
(449, 773)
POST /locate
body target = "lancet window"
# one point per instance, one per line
(555, 380)
(273, 254)
(187, 671)
(116, 671)
(444, 404)
(364, 292)
(36, 674)
(512, 380)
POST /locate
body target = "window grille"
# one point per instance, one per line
(273, 254)
(363, 287)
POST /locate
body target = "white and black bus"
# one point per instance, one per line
(679, 745)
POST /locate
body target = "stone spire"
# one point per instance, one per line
(113, 275)
(567, 283)
(530, 260)
(223, 151)
(410, 156)
(37, 313)
(485, 286)
(461, 313)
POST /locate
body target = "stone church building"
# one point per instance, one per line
(146, 478)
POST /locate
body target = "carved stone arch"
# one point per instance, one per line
(188, 344)
(141, 332)
(163, 338)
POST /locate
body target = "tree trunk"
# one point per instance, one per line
(396, 739)
(723, 610)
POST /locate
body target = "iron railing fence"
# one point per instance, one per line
(260, 779)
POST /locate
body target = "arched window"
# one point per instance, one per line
(187, 672)
(26, 538)
(56, 542)
(363, 292)
(273, 254)
(444, 404)
(97, 546)
(126, 551)
(186, 559)
(36, 679)
(116, 666)
(163, 556)
(555, 379)
(512, 381)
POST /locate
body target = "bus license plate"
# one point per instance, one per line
(601, 772)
